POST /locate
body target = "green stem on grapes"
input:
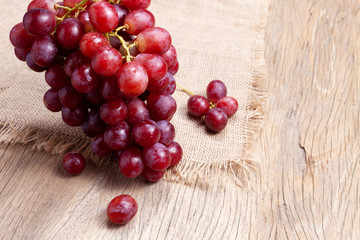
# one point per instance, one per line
(57, 6)
(71, 10)
(134, 44)
(125, 45)
(212, 105)
(127, 49)
(185, 90)
(125, 26)
(107, 36)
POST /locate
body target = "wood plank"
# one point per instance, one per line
(310, 139)
(39, 201)
(308, 181)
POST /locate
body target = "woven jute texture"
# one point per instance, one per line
(215, 39)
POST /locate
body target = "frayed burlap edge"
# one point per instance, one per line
(47, 141)
(241, 170)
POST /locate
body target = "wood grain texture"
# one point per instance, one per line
(307, 186)
(310, 140)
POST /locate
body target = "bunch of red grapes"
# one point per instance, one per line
(216, 108)
(111, 71)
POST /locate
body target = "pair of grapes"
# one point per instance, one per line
(121, 209)
(217, 108)
(111, 72)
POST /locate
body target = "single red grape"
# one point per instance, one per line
(84, 79)
(99, 146)
(39, 21)
(51, 100)
(157, 157)
(161, 107)
(132, 79)
(146, 133)
(75, 116)
(19, 37)
(167, 132)
(71, 98)
(44, 51)
(154, 65)
(103, 16)
(229, 105)
(122, 209)
(118, 137)
(198, 105)
(216, 90)
(136, 4)
(176, 153)
(73, 163)
(69, 33)
(113, 112)
(137, 111)
(106, 61)
(170, 57)
(130, 163)
(139, 20)
(216, 119)
(154, 40)
(56, 77)
(91, 42)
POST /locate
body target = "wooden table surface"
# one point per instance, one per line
(307, 186)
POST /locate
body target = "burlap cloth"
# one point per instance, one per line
(215, 39)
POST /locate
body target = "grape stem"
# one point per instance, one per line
(125, 26)
(70, 10)
(212, 105)
(57, 6)
(185, 90)
(107, 36)
(125, 45)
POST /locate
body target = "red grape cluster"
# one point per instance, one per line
(111, 71)
(217, 108)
